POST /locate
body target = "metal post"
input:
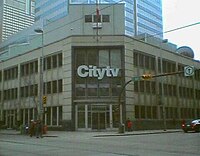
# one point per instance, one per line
(162, 88)
(120, 104)
(41, 109)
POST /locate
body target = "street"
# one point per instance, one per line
(93, 144)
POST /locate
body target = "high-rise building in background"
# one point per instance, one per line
(141, 16)
(15, 15)
(50, 10)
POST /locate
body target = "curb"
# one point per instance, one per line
(106, 135)
(139, 133)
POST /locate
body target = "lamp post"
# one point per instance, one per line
(162, 88)
(41, 109)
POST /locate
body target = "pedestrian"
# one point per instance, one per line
(129, 125)
(38, 129)
(26, 127)
(32, 128)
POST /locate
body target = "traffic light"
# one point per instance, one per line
(44, 100)
(146, 76)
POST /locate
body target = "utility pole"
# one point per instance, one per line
(41, 81)
(97, 20)
(141, 78)
(162, 87)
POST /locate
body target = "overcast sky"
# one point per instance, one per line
(178, 13)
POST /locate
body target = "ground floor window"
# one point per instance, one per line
(52, 116)
(156, 112)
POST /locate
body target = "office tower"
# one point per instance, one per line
(15, 15)
(47, 11)
(141, 16)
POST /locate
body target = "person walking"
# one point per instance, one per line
(39, 129)
(129, 125)
(32, 128)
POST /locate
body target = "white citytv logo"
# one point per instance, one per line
(93, 71)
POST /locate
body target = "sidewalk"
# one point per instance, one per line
(93, 134)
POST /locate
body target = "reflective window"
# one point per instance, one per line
(104, 59)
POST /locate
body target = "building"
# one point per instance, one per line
(141, 16)
(47, 11)
(15, 16)
(84, 73)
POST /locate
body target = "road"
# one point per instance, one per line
(86, 144)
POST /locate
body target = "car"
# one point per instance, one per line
(193, 125)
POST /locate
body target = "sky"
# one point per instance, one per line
(179, 13)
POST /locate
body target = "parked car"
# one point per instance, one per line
(193, 125)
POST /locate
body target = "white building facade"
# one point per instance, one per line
(84, 73)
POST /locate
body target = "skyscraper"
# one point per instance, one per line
(50, 10)
(15, 15)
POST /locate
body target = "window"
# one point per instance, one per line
(97, 18)
(59, 86)
(54, 61)
(88, 18)
(54, 86)
(101, 58)
(54, 115)
(31, 68)
(105, 18)
(60, 60)
(92, 87)
(48, 62)
(48, 87)
(48, 115)
(92, 59)
(115, 58)
(104, 86)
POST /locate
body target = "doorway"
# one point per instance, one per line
(98, 120)
(10, 119)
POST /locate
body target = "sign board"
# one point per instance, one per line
(136, 78)
(99, 73)
(188, 70)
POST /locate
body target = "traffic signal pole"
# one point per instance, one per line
(167, 74)
(139, 78)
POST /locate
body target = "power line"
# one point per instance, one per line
(149, 36)
(175, 29)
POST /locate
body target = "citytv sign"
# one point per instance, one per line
(92, 71)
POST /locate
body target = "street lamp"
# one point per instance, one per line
(41, 109)
(162, 87)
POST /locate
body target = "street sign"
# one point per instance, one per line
(188, 70)
(136, 78)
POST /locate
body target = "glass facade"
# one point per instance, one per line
(92, 86)
(97, 114)
(15, 16)
(50, 10)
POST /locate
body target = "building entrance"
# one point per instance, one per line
(99, 120)
(10, 119)
(95, 117)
